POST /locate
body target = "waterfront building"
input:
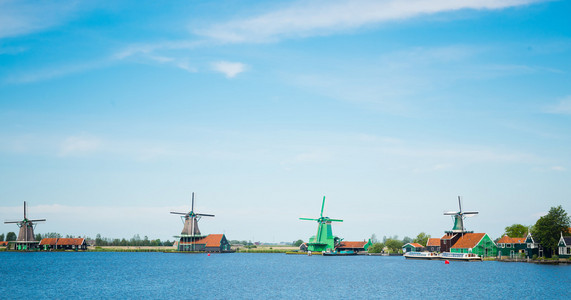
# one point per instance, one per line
(209, 243)
(433, 245)
(63, 244)
(511, 247)
(357, 246)
(564, 246)
(448, 240)
(477, 243)
(533, 246)
(412, 247)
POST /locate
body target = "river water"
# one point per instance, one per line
(80, 275)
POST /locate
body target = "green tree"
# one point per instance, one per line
(548, 228)
(298, 243)
(374, 239)
(376, 248)
(1, 237)
(394, 245)
(421, 238)
(405, 240)
(11, 236)
(516, 230)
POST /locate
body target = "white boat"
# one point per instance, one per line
(421, 255)
(460, 256)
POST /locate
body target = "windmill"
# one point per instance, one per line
(459, 217)
(26, 234)
(324, 239)
(190, 231)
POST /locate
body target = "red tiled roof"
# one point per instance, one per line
(345, 244)
(508, 240)
(211, 240)
(48, 241)
(433, 242)
(62, 241)
(469, 240)
(70, 241)
(3, 243)
(447, 236)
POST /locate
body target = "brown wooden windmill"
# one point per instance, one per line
(190, 231)
(26, 238)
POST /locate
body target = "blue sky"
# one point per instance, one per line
(112, 113)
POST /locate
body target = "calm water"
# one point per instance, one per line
(154, 275)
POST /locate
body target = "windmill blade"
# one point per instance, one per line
(322, 206)
(308, 219)
(38, 220)
(450, 213)
(334, 220)
(25, 209)
(470, 212)
(205, 215)
(459, 203)
(192, 207)
(178, 213)
(11, 222)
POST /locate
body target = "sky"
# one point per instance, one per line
(113, 112)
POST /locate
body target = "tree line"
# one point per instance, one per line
(136, 240)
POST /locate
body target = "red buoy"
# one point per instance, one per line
(208, 254)
(446, 262)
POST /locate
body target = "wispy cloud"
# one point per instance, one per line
(563, 107)
(77, 145)
(47, 73)
(230, 69)
(25, 17)
(303, 19)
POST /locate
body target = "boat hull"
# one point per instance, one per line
(460, 256)
(421, 255)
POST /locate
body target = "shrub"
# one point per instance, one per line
(555, 257)
(534, 256)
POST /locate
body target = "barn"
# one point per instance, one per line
(209, 243)
(63, 244)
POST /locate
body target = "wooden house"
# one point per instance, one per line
(533, 247)
(433, 245)
(564, 246)
(412, 247)
(63, 244)
(209, 243)
(354, 246)
(511, 247)
(477, 243)
(448, 240)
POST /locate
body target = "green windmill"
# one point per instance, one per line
(324, 239)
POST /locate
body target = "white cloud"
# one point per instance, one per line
(563, 107)
(322, 17)
(25, 17)
(76, 145)
(558, 168)
(230, 69)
